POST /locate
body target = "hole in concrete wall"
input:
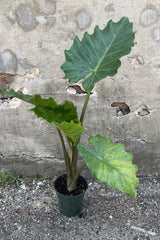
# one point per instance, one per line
(6, 79)
(142, 110)
(5, 100)
(75, 89)
(137, 61)
(121, 108)
(5, 82)
(18, 83)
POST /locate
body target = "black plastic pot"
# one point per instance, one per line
(69, 204)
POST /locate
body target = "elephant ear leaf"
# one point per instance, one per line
(63, 116)
(97, 55)
(110, 163)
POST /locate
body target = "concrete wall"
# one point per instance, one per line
(34, 35)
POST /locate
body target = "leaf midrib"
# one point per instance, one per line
(115, 35)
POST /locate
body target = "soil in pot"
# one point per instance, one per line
(70, 203)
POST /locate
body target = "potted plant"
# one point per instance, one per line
(93, 58)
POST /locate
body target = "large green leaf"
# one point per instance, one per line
(97, 55)
(71, 130)
(110, 163)
(64, 115)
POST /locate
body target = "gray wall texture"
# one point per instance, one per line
(33, 36)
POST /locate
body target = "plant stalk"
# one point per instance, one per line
(74, 148)
(70, 151)
(71, 162)
(74, 160)
(73, 184)
(67, 160)
(84, 107)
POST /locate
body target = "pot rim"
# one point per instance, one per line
(76, 196)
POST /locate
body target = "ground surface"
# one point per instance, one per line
(30, 212)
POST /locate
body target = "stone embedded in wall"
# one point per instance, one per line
(64, 18)
(156, 34)
(47, 21)
(20, 81)
(158, 89)
(40, 44)
(142, 110)
(25, 63)
(110, 8)
(25, 18)
(11, 17)
(5, 82)
(148, 17)
(8, 62)
(47, 6)
(137, 61)
(71, 35)
(51, 21)
(155, 65)
(83, 19)
(41, 20)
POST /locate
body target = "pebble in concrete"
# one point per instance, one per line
(148, 17)
(137, 61)
(25, 18)
(64, 19)
(158, 89)
(47, 6)
(156, 34)
(25, 63)
(83, 19)
(51, 21)
(41, 20)
(155, 63)
(110, 8)
(8, 62)
(11, 17)
(142, 110)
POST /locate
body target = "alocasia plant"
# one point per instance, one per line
(93, 58)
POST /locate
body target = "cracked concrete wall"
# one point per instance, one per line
(34, 35)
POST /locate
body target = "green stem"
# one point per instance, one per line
(73, 184)
(70, 151)
(74, 160)
(66, 157)
(84, 108)
(75, 150)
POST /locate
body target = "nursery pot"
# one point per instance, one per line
(70, 203)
